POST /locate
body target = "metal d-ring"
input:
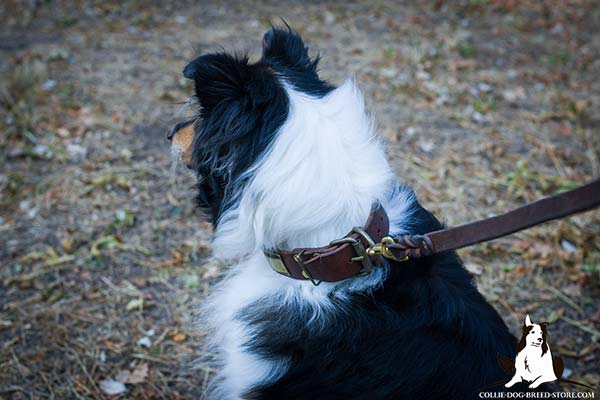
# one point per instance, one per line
(371, 242)
(305, 272)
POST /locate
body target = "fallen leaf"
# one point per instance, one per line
(426, 146)
(5, 324)
(462, 64)
(541, 249)
(63, 132)
(179, 337)
(573, 290)
(112, 387)
(520, 246)
(67, 244)
(144, 342)
(514, 95)
(122, 376)
(114, 347)
(138, 375)
(568, 246)
(172, 200)
(520, 270)
(135, 303)
(139, 282)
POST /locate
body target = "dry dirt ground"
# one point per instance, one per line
(484, 104)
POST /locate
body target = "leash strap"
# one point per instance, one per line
(364, 248)
(558, 206)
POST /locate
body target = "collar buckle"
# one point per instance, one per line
(361, 251)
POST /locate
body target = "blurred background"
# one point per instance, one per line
(484, 104)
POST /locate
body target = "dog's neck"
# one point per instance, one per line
(318, 180)
(533, 349)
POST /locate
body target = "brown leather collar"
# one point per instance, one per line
(341, 259)
(362, 249)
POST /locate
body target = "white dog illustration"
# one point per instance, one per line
(534, 359)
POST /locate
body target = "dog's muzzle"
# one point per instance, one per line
(182, 137)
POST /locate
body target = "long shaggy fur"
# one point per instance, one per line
(287, 160)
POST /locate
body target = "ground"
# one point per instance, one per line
(484, 105)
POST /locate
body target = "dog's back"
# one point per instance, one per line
(426, 333)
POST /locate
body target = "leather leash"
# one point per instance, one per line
(362, 249)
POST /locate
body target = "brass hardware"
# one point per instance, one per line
(379, 260)
(362, 256)
(382, 249)
(379, 251)
(342, 241)
(306, 272)
(277, 264)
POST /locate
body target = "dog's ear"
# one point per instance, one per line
(286, 48)
(221, 79)
(527, 321)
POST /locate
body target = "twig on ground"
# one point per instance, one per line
(595, 334)
(84, 370)
(559, 294)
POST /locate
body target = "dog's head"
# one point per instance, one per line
(242, 105)
(534, 335)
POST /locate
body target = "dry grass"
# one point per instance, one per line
(19, 96)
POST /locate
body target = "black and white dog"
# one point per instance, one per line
(534, 363)
(286, 160)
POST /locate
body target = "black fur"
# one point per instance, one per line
(523, 341)
(544, 327)
(286, 52)
(242, 106)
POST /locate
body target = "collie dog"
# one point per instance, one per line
(534, 361)
(284, 160)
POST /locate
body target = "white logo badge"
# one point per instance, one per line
(534, 362)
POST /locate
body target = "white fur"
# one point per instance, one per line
(530, 364)
(320, 178)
